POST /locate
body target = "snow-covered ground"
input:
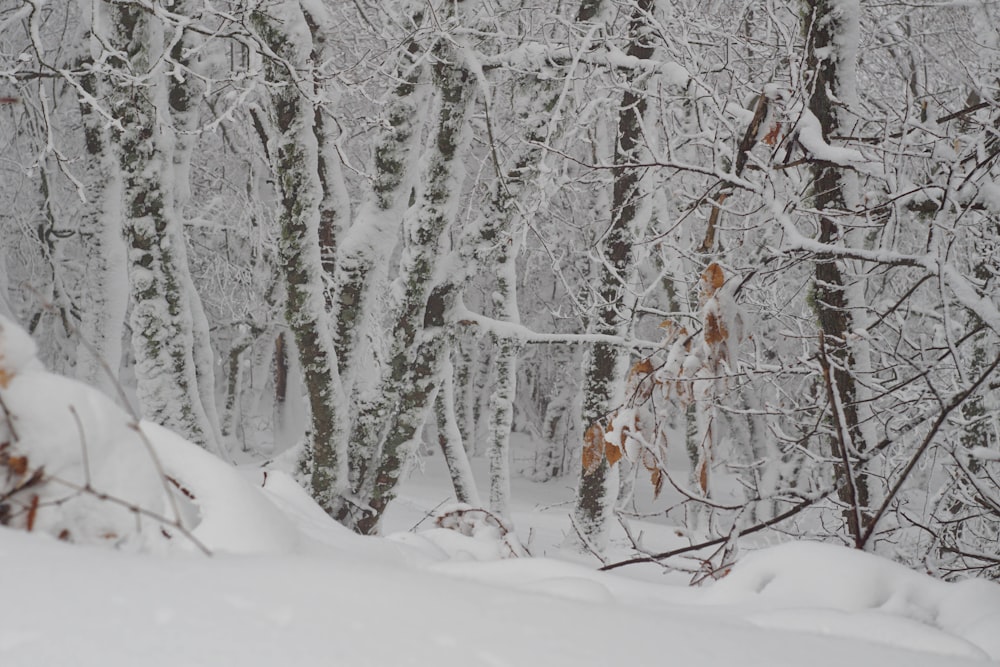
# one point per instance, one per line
(285, 585)
(322, 596)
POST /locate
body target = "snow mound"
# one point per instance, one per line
(464, 532)
(18, 351)
(65, 449)
(834, 590)
(230, 514)
(76, 466)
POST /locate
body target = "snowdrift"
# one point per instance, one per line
(287, 585)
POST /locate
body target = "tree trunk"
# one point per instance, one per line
(450, 439)
(162, 331)
(295, 157)
(416, 350)
(183, 105)
(334, 206)
(102, 319)
(606, 365)
(364, 257)
(833, 41)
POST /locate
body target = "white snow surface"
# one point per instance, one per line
(285, 585)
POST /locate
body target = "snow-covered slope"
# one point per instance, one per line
(285, 585)
(73, 605)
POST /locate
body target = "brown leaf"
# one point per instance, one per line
(715, 330)
(613, 452)
(712, 278)
(641, 367)
(773, 135)
(703, 476)
(18, 465)
(656, 476)
(32, 512)
(5, 377)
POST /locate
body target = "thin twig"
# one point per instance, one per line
(156, 516)
(83, 444)
(928, 439)
(656, 558)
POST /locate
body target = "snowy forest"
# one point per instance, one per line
(724, 266)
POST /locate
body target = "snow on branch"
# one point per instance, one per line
(962, 288)
(534, 56)
(524, 335)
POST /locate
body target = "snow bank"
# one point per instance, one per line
(75, 465)
(65, 446)
(288, 585)
(232, 514)
(834, 590)
(113, 609)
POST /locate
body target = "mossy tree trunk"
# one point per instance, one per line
(606, 364)
(161, 317)
(364, 256)
(295, 159)
(102, 319)
(182, 101)
(388, 427)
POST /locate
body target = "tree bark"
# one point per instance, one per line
(388, 426)
(450, 439)
(606, 365)
(162, 330)
(295, 156)
(102, 320)
(832, 31)
(183, 108)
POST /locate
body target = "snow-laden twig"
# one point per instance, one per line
(524, 335)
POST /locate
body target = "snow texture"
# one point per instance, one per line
(287, 585)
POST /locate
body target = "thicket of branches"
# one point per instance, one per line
(728, 263)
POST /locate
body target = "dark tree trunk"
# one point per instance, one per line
(826, 32)
(605, 366)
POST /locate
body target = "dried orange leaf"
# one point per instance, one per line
(703, 476)
(715, 330)
(656, 477)
(773, 135)
(641, 367)
(18, 465)
(613, 452)
(712, 278)
(32, 512)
